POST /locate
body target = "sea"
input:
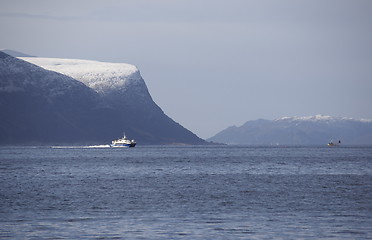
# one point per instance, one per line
(186, 192)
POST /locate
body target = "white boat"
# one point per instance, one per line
(332, 144)
(123, 142)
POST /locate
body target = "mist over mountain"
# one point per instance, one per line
(313, 130)
(79, 101)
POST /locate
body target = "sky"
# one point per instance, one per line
(211, 64)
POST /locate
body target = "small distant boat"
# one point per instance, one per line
(332, 144)
(123, 142)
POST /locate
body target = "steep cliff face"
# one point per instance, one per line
(79, 101)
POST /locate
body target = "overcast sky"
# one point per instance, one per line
(210, 64)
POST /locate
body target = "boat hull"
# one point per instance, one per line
(122, 145)
(332, 144)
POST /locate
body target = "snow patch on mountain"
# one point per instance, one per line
(18, 76)
(366, 120)
(100, 76)
(320, 118)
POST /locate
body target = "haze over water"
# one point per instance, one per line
(206, 192)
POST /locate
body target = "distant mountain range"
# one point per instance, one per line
(69, 101)
(313, 130)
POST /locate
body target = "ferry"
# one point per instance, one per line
(123, 142)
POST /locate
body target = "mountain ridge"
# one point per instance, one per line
(15, 53)
(311, 130)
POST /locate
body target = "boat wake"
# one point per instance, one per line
(79, 147)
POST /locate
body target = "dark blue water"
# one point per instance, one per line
(214, 192)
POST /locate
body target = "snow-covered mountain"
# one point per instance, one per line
(103, 77)
(312, 130)
(120, 84)
(44, 100)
